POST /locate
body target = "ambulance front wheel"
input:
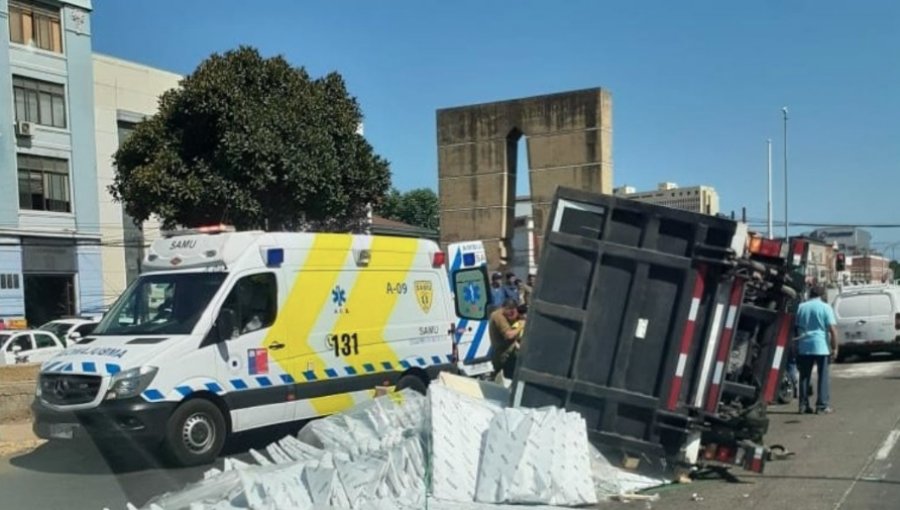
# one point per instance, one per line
(195, 433)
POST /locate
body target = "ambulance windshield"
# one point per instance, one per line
(161, 304)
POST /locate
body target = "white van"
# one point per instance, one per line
(868, 319)
(473, 342)
(233, 331)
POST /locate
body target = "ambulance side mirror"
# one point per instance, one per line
(471, 290)
(225, 324)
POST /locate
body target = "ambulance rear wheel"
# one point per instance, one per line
(195, 433)
(412, 382)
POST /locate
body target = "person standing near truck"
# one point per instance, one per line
(505, 338)
(816, 346)
(498, 292)
(526, 289)
(511, 288)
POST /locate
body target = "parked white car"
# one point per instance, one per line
(70, 330)
(868, 319)
(28, 346)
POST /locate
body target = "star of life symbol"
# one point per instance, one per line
(472, 294)
(339, 298)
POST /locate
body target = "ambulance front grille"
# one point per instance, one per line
(69, 389)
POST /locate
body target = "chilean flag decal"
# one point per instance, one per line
(257, 361)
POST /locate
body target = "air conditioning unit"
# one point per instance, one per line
(24, 128)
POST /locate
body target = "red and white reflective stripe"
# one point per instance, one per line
(710, 349)
(798, 252)
(687, 337)
(756, 465)
(785, 321)
(734, 302)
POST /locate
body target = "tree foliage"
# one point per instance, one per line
(253, 142)
(419, 207)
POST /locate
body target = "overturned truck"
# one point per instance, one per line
(666, 330)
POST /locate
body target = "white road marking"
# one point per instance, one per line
(887, 445)
(876, 466)
(865, 369)
(880, 465)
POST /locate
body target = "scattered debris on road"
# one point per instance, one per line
(459, 447)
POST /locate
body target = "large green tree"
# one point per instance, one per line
(419, 207)
(253, 142)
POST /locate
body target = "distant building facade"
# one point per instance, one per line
(50, 263)
(701, 199)
(849, 240)
(820, 263)
(870, 269)
(125, 93)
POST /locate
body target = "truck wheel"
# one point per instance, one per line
(789, 292)
(785, 390)
(413, 382)
(195, 433)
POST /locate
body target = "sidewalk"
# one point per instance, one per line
(16, 437)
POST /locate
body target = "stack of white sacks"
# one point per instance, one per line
(459, 447)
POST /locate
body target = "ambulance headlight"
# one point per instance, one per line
(131, 382)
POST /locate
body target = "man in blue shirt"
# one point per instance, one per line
(511, 289)
(816, 345)
(498, 291)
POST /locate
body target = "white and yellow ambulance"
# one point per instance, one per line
(230, 331)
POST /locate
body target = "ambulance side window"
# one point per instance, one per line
(254, 301)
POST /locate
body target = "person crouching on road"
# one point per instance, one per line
(816, 345)
(505, 338)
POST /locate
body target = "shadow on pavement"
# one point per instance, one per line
(140, 473)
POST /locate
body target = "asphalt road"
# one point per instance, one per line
(842, 461)
(847, 460)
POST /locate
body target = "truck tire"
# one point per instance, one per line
(195, 433)
(789, 292)
(412, 382)
(785, 392)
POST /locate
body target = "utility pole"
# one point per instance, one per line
(769, 190)
(784, 111)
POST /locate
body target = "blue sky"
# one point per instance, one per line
(697, 86)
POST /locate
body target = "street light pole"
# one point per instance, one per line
(784, 111)
(769, 190)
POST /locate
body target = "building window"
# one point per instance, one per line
(43, 184)
(35, 26)
(40, 102)
(9, 281)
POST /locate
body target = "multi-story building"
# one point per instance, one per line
(50, 263)
(701, 199)
(125, 93)
(870, 268)
(820, 263)
(849, 240)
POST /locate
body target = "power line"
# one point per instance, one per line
(757, 221)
